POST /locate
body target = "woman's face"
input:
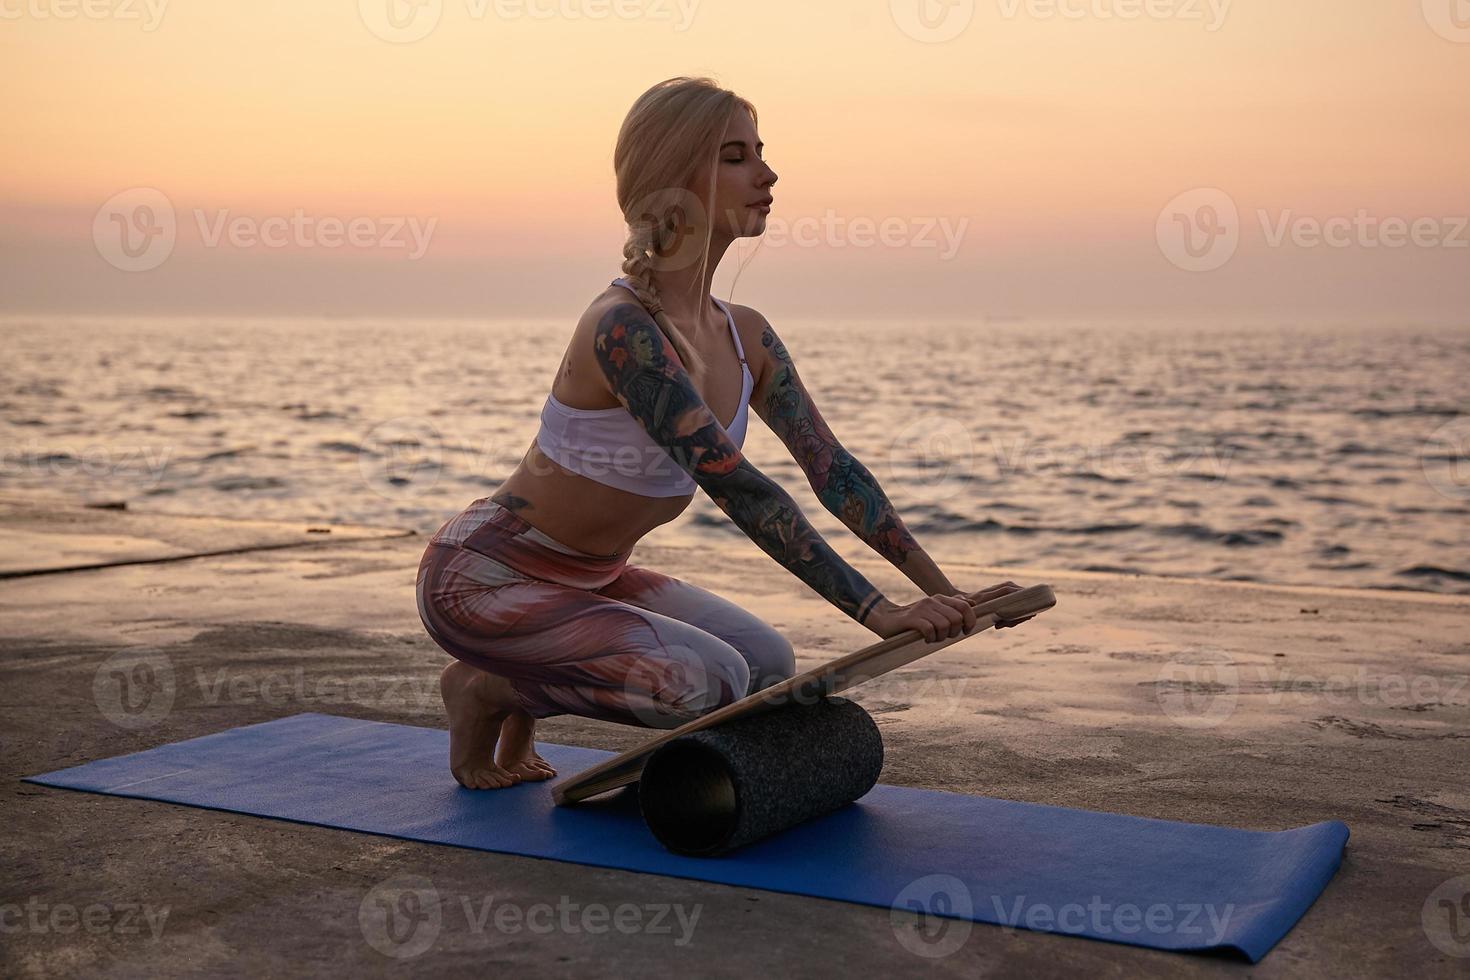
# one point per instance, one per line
(742, 182)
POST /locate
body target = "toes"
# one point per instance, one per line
(532, 769)
(496, 778)
(534, 764)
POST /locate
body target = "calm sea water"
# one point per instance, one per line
(1320, 455)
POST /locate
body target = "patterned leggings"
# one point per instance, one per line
(584, 634)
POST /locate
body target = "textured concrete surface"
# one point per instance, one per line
(38, 538)
(1230, 704)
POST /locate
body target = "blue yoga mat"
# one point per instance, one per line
(1132, 880)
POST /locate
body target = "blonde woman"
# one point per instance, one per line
(530, 588)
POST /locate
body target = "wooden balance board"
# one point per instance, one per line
(830, 678)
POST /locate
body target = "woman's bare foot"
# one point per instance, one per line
(517, 751)
(478, 704)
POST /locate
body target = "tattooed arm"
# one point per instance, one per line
(649, 380)
(842, 483)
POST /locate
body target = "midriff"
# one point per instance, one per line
(587, 515)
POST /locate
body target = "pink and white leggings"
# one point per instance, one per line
(584, 634)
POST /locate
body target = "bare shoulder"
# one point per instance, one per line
(603, 303)
(580, 381)
(758, 338)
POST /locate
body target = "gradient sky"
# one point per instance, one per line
(1048, 138)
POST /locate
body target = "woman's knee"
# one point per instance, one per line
(699, 680)
(768, 653)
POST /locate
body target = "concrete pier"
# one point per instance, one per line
(1242, 705)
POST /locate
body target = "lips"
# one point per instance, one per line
(764, 202)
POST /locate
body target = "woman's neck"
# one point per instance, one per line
(676, 291)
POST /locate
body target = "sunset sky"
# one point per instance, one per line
(1024, 166)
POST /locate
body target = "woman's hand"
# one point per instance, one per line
(995, 592)
(938, 616)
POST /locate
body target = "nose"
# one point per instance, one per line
(770, 176)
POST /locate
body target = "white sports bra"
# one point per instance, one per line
(610, 446)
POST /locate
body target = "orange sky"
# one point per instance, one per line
(1021, 165)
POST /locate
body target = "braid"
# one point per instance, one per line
(643, 242)
(670, 135)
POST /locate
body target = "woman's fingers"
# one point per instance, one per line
(947, 616)
(960, 605)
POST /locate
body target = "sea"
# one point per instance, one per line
(1318, 454)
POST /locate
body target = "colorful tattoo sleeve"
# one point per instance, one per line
(842, 483)
(649, 380)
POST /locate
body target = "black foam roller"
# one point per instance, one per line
(711, 791)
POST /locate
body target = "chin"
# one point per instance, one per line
(755, 227)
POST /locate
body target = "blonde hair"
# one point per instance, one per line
(670, 129)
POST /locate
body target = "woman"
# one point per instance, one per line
(530, 589)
